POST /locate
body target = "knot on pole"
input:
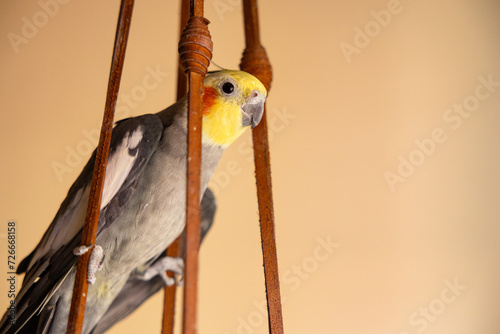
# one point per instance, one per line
(195, 46)
(255, 62)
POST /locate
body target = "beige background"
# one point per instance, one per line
(339, 125)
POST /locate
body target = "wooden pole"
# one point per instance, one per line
(80, 288)
(255, 61)
(195, 50)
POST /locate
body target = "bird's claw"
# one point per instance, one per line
(160, 268)
(80, 250)
(95, 261)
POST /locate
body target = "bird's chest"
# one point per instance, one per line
(154, 216)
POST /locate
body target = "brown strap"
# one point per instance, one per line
(255, 61)
(78, 301)
(195, 50)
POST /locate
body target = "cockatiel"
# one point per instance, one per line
(142, 206)
(136, 291)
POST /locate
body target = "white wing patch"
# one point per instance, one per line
(67, 226)
(119, 165)
(73, 218)
(135, 138)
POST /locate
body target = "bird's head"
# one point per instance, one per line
(232, 101)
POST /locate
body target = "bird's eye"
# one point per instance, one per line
(227, 87)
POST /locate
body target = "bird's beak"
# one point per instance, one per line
(253, 109)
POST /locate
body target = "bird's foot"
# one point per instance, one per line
(80, 250)
(95, 261)
(160, 268)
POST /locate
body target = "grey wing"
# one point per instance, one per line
(136, 291)
(133, 142)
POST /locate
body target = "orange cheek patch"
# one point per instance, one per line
(209, 97)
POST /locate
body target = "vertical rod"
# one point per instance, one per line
(267, 229)
(175, 248)
(193, 204)
(196, 7)
(195, 50)
(255, 61)
(80, 288)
